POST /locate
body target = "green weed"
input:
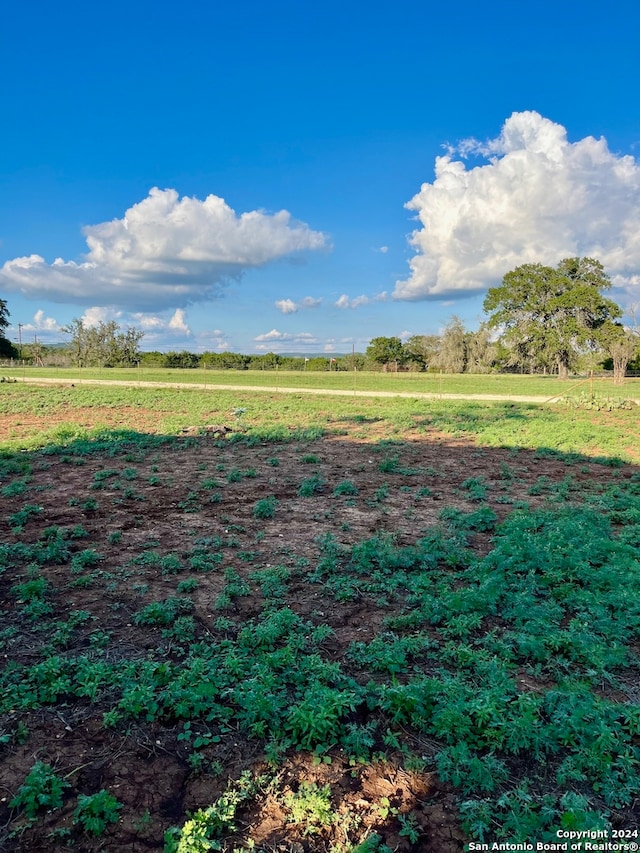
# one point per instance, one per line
(265, 507)
(42, 789)
(95, 812)
(311, 486)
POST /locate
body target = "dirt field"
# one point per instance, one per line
(155, 501)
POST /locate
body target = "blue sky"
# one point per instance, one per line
(301, 177)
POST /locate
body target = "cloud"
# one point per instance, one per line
(41, 323)
(178, 324)
(288, 306)
(538, 198)
(95, 315)
(166, 251)
(276, 341)
(172, 331)
(154, 324)
(275, 335)
(345, 301)
(382, 249)
(215, 339)
(43, 328)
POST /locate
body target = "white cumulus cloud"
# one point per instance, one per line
(273, 335)
(95, 315)
(536, 198)
(41, 323)
(274, 340)
(166, 251)
(288, 306)
(42, 328)
(345, 301)
(178, 322)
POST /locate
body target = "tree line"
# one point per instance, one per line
(540, 319)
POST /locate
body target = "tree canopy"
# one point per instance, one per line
(386, 351)
(103, 345)
(549, 315)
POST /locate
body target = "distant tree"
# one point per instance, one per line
(268, 361)
(386, 351)
(291, 362)
(104, 345)
(151, 358)
(352, 361)
(452, 354)
(622, 345)
(224, 360)
(548, 315)
(481, 350)
(422, 350)
(7, 350)
(181, 360)
(317, 363)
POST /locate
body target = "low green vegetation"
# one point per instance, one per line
(468, 615)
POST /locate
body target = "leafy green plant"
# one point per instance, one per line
(265, 507)
(477, 488)
(18, 519)
(163, 612)
(202, 831)
(88, 558)
(311, 486)
(15, 488)
(310, 806)
(346, 487)
(95, 812)
(42, 789)
(409, 827)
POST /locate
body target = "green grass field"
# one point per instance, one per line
(556, 427)
(430, 383)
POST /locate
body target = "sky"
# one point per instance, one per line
(302, 177)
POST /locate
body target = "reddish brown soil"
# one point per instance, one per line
(145, 766)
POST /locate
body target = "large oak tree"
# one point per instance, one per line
(549, 315)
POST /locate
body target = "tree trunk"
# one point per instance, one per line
(619, 368)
